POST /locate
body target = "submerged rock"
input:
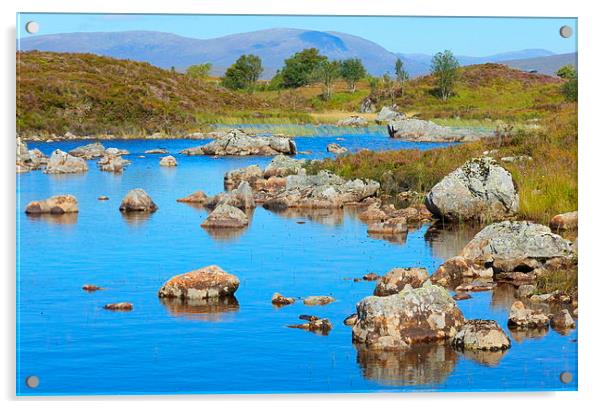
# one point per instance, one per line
(156, 151)
(279, 299)
(336, 148)
(226, 216)
(137, 200)
(238, 143)
(60, 204)
(168, 161)
(61, 162)
(478, 190)
(204, 283)
(120, 306)
(396, 279)
(91, 288)
(516, 240)
(318, 300)
(522, 317)
(412, 316)
(481, 335)
(90, 151)
(197, 197)
(314, 324)
(565, 221)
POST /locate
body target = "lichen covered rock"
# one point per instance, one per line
(481, 335)
(396, 279)
(204, 283)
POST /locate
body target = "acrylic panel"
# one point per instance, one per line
(295, 204)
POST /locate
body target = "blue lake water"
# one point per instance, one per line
(74, 346)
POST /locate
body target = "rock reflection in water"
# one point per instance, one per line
(428, 364)
(487, 358)
(448, 240)
(522, 334)
(327, 217)
(201, 310)
(502, 296)
(224, 234)
(66, 218)
(135, 219)
(400, 238)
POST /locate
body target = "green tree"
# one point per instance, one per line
(352, 70)
(326, 73)
(200, 71)
(570, 89)
(567, 72)
(244, 73)
(444, 68)
(401, 75)
(299, 68)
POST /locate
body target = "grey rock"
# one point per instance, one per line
(238, 143)
(226, 216)
(417, 130)
(522, 317)
(412, 316)
(388, 114)
(168, 161)
(336, 148)
(283, 166)
(137, 200)
(481, 335)
(61, 162)
(353, 120)
(90, 151)
(516, 239)
(112, 163)
(478, 190)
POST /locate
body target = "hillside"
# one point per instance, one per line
(545, 65)
(272, 45)
(85, 93)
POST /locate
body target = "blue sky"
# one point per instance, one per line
(464, 36)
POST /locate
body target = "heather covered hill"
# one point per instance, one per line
(87, 94)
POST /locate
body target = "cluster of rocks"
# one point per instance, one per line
(29, 159)
(418, 130)
(425, 314)
(336, 149)
(386, 220)
(237, 142)
(113, 163)
(61, 162)
(314, 324)
(60, 204)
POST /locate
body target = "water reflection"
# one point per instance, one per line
(487, 358)
(65, 218)
(224, 234)
(502, 296)
(428, 364)
(201, 310)
(522, 334)
(136, 219)
(327, 217)
(448, 240)
(399, 238)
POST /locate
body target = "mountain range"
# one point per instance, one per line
(272, 45)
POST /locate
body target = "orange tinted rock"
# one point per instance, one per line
(204, 283)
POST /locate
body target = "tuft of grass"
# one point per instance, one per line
(564, 281)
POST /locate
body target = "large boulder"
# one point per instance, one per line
(417, 130)
(204, 283)
(478, 190)
(396, 280)
(353, 120)
(238, 143)
(90, 151)
(481, 335)
(412, 316)
(61, 162)
(226, 216)
(511, 240)
(55, 205)
(137, 200)
(388, 114)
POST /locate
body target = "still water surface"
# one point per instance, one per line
(76, 347)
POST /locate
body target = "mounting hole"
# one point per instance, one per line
(32, 381)
(566, 31)
(32, 27)
(566, 377)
